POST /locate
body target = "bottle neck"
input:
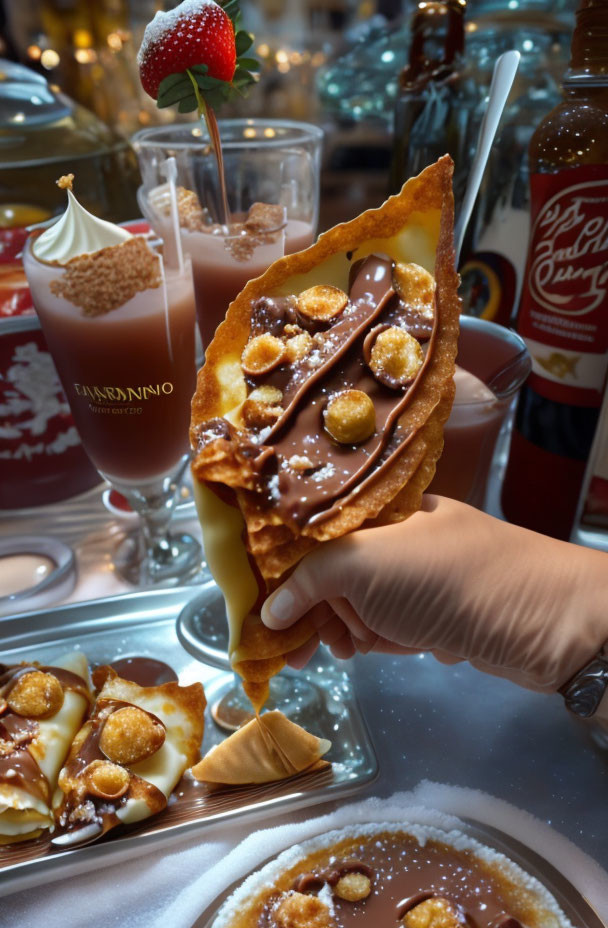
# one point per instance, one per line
(589, 49)
(437, 45)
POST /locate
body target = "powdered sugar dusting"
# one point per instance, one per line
(164, 23)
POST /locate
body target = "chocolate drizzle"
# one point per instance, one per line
(80, 806)
(68, 680)
(145, 671)
(306, 475)
(19, 768)
(331, 875)
(18, 765)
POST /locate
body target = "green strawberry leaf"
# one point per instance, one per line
(208, 83)
(187, 104)
(243, 40)
(216, 98)
(231, 7)
(199, 69)
(173, 79)
(249, 64)
(176, 91)
(243, 74)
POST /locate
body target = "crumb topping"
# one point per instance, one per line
(262, 224)
(191, 213)
(104, 281)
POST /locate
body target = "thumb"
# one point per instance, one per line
(317, 578)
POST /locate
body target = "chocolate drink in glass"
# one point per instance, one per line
(222, 264)
(243, 200)
(119, 324)
(125, 371)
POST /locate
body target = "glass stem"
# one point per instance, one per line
(154, 523)
(159, 554)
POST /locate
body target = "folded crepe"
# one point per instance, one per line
(41, 709)
(321, 404)
(267, 748)
(129, 756)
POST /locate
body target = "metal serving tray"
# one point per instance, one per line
(578, 910)
(143, 624)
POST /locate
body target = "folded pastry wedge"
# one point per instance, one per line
(321, 404)
(127, 758)
(267, 748)
(41, 709)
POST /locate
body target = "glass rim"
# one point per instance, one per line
(299, 132)
(487, 325)
(155, 242)
(505, 335)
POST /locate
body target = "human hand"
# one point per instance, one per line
(458, 583)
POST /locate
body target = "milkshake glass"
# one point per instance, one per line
(119, 325)
(270, 162)
(492, 364)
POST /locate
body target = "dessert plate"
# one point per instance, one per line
(578, 910)
(143, 624)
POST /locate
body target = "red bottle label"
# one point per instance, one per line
(563, 314)
(15, 297)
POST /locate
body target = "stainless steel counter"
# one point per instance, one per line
(456, 725)
(428, 721)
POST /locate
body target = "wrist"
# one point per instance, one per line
(583, 625)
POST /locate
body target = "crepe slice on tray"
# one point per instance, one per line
(41, 709)
(321, 404)
(267, 748)
(128, 757)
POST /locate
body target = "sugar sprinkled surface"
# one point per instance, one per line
(165, 23)
(265, 878)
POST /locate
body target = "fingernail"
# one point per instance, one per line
(281, 605)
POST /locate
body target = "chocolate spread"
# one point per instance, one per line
(18, 766)
(145, 671)
(335, 363)
(331, 875)
(404, 874)
(80, 807)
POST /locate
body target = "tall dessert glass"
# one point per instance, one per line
(493, 363)
(271, 170)
(119, 324)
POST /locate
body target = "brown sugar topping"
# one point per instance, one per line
(190, 211)
(107, 279)
(264, 217)
(261, 226)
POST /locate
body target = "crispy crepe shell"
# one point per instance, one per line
(151, 779)
(393, 494)
(267, 748)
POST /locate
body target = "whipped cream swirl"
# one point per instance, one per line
(77, 233)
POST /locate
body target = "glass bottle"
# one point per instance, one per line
(494, 257)
(563, 313)
(437, 101)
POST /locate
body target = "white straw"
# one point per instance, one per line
(169, 171)
(502, 79)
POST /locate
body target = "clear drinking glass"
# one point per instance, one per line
(274, 162)
(499, 362)
(129, 375)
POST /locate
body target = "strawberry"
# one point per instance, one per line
(197, 32)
